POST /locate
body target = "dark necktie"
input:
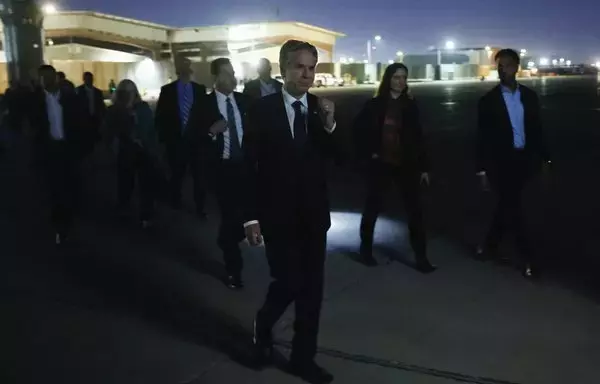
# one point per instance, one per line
(299, 123)
(235, 151)
(186, 104)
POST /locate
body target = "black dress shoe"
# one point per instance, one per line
(310, 372)
(263, 351)
(425, 267)
(366, 255)
(368, 260)
(530, 271)
(60, 239)
(235, 282)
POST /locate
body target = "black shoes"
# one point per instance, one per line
(310, 372)
(263, 351)
(425, 267)
(530, 271)
(366, 256)
(234, 282)
(60, 239)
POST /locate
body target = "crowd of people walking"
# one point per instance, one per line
(265, 152)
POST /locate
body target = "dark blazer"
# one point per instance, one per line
(99, 106)
(284, 181)
(206, 115)
(252, 88)
(368, 127)
(495, 133)
(167, 118)
(72, 122)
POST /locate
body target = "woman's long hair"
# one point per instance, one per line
(125, 93)
(385, 85)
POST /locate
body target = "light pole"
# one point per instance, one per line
(400, 55)
(49, 8)
(370, 47)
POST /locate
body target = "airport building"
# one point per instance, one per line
(114, 47)
(463, 63)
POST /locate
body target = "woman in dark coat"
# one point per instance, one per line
(389, 141)
(131, 122)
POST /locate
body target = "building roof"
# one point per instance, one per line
(172, 28)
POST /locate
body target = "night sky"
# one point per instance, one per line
(546, 28)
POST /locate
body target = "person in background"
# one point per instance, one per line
(265, 84)
(64, 84)
(510, 152)
(130, 120)
(112, 87)
(389, 140)
(224, 121)
(287, 147)
(55, 121)
(175, 104)
(92, 102)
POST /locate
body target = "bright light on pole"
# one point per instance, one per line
(399, 53)
(390, 61)
(371, 47)
(554, 61)
(49, 8)
(530, 64)
(487, 48)
(351, 60)
(568, 63)
(523, 51)
(561, 60)
(598, 64)
(544, 61)
(450, 44)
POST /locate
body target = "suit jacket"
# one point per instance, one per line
(283, 181)
(167, 117)
(368, 132)
(495, 132)
(252, 88)
(72, 123)
(206, 115)
(99, 106)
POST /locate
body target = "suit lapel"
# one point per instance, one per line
(501, 104)
(280, 115)
(314, 121)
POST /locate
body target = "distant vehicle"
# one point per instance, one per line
(327, 80)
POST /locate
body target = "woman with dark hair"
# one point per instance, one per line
(130, 120)
(389, 141)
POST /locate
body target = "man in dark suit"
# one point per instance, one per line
(175, 104)
(64, 84)
(55, 120)
(94, 109)
(265, 85)
(287, 146)
(511, 151)
(223, 121)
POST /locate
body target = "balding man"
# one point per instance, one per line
(181, 141)
(265, 85)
